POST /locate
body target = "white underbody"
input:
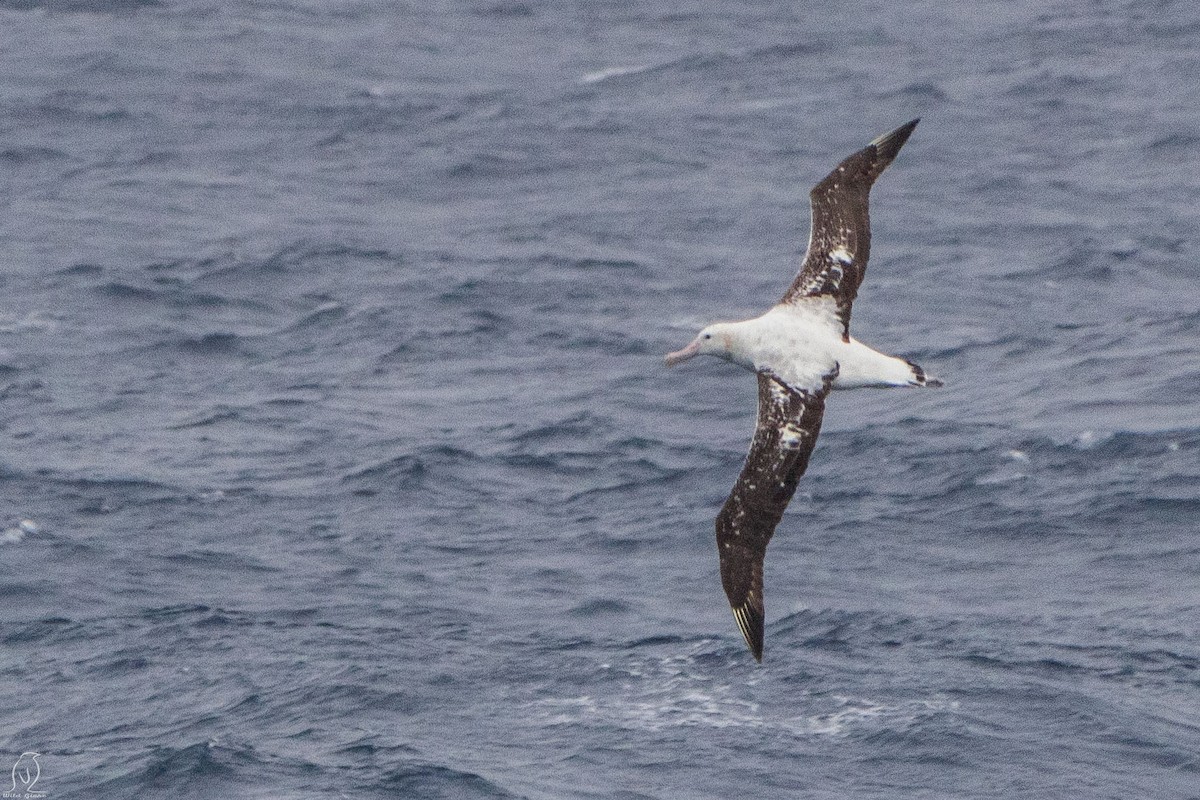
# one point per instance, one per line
(802, 342)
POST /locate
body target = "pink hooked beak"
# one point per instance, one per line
(679, 356)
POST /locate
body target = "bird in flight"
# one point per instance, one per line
(800, 350)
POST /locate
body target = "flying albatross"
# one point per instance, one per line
(800, 350)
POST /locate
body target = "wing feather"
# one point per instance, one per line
(839, 243)
(789, 421)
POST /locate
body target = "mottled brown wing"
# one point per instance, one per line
(789, 420)
(839, 244)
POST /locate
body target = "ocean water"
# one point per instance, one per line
(339, 459)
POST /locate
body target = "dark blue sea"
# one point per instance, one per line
(339, 459)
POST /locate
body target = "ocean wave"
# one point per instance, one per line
(436, 467)
(438, 782)
(288, 259)
(749, 59)
(918, 91)
(661, 693)
(50, 630)
(200, 769)
(221, 343)
(90, 6)
(1072, 662)
(323, 315)
(212, 416)
(172, 293)
(30, 321)
(1179, 144)
(687, 63)
(33, 154)
(220, 560)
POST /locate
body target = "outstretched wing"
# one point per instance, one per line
(840, 241)
(789, 420)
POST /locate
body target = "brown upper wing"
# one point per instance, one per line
(789, 420)
(840, 242)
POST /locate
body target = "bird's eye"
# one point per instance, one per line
(708, 336)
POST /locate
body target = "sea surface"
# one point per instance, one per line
(339, 459)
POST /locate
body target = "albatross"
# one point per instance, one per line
(801, 349)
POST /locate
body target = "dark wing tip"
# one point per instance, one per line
(750, 620)
(888, 145)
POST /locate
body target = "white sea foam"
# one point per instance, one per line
(31, 321)
(613, 72)
(676, 692)
(18, 532)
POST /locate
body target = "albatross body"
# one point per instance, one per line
(801, 349)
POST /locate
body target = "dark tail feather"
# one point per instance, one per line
(922, 378)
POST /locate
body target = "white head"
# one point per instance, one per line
(719, 339)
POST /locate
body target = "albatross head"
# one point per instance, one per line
(715, 340)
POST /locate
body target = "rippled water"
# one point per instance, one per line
(340, 459)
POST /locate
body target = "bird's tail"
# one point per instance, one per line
(922, 378)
